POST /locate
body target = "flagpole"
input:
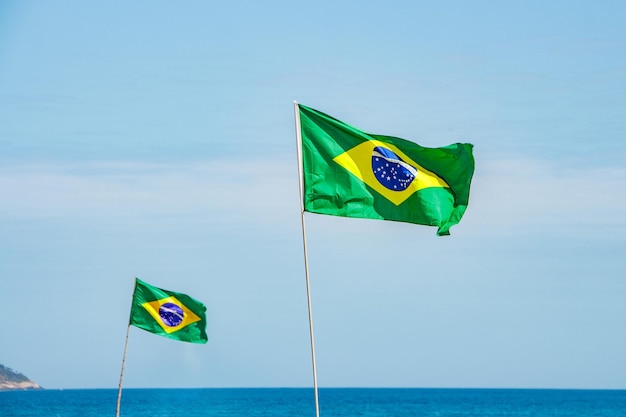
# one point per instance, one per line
(119, 392)
(306, 260)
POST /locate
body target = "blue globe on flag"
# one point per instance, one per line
(390, 170)
(171, 314)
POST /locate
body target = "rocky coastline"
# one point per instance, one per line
(12, 380)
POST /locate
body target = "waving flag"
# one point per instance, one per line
(168, 313)
(350, 173)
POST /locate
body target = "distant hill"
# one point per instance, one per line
(12, 380)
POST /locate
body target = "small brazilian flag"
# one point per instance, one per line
(168, 313)
(350, 173)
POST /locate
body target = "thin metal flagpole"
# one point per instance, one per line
(119, 392)
(306, 260)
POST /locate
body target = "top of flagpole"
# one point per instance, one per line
(299, 153)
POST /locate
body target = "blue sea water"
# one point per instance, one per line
(296, 402)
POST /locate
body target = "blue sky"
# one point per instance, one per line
(156, 139)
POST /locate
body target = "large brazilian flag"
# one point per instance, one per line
(350, 173)
(168, 313)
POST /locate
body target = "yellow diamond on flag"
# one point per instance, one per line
(386, 169)
(170, 314)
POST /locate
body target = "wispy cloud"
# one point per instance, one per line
(122, 189)
(512, 195)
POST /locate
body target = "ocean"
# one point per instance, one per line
(299, 402)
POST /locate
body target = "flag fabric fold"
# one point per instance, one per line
(168, 313)
(351, 173)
